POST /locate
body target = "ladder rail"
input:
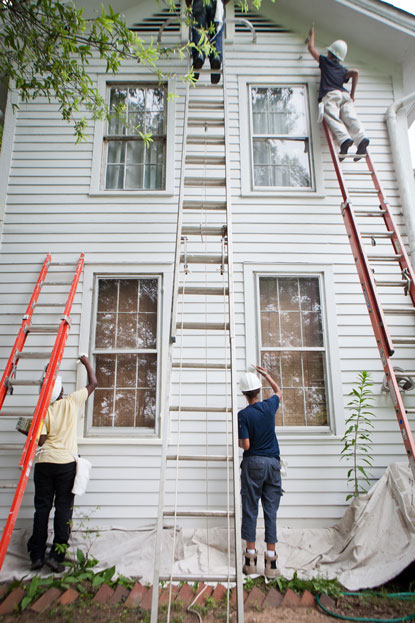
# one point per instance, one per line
(30, 447)
(22, 334)
(375, 310)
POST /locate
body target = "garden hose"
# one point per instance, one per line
(409, 617)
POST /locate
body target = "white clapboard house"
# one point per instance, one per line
(298, 306)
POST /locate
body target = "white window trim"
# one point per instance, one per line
(316, 165)
(91, 272)
(97, 169)
(336, 427)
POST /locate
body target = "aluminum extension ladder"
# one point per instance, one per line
(399, 275)
(9, 380)
(202, 278)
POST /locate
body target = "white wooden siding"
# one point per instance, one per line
(49, 210)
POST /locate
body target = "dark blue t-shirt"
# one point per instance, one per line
(257, 422)
(333, 75)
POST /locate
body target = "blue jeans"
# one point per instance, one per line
(204, 15)
(260, 479)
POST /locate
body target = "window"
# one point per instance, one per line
(130, 162)
(292, 347)
(126, 347)
(280, 137)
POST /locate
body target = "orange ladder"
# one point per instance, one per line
(9, 381)
(396, 256)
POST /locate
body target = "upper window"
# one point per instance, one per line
(131, 163)
(280, 137)
(292, 347)
(126, 350)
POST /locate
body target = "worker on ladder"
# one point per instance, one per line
(55, 471)
(207, 31)
(260, 469)
(335, 101)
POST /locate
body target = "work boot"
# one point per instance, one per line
(250, 562)
(344, 148)
(214, 64)
(361, 149)
(270, 566)
(37, 564)
(55, 565)
(197, 64)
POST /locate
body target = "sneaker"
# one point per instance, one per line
(250, 562)
(214, 64)
(55, 565)
(37, 564)
(361, 149)
(344, 148)
(270, 566)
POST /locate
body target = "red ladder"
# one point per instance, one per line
(368, 282)
(8, 382)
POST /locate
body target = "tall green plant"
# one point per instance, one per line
(357, 438)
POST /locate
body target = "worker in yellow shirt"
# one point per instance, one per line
(55, 471)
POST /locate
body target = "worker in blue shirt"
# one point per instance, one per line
(339, 111)
(260, 475)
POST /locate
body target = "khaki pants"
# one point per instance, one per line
(340, 114)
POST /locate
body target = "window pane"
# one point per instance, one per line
(135, 152)
(301, 374)
(116, 152)
(281, 163)
(134, 177)
(279, 110)
(115, 177)
(126, 396)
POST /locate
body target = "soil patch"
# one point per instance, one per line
(374, 606)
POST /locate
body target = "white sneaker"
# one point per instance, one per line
(270, 566)
(250, 562)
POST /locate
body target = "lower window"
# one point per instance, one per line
(292, 347)
(126, 352)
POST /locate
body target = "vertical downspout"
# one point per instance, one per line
(403, 169)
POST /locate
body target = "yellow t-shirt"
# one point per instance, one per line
(60, 427)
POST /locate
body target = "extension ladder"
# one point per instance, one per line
(9, 380)
(203, 285)
(395, 257)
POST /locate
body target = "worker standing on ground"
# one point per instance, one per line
(261, 475)
(339, 111)
(55, 471)
(208, 20)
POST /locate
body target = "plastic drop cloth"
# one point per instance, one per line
(372, 543)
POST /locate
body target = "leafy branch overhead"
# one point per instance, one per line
(47, 46)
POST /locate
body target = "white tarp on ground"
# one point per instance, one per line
(371, 544)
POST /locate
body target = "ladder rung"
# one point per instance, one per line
(196, 513)
(14, 382)
(369, 212)
(385, 258)
(345, 172)
(199, 457)
(387, 234)
(201, 326)
(207, 159)
(363, 191)
(410, 410)
(62, 264)
(403, 340)
(204, 291)
(204, 259)
(405, 373)
(57, 283)
(204, 205)
(399, 310)
(201, 409)
(197, 139)
(196, 104)
(201, 230)
(204, 181)
(198, 578)
(200, 365)
(62, 305)
(43, 328)
(392, 284)
(33, 355)
(193, 122)
(207, 70)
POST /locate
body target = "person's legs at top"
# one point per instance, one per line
(350, 119)
(44, 492)
(199, 11)
(332, 101)
(64, 500)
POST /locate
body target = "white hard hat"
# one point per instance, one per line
(338, 49)
(249, 381)
(57, 388)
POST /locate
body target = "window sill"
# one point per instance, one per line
(131, 193)
(274, 192)
(119, 441)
